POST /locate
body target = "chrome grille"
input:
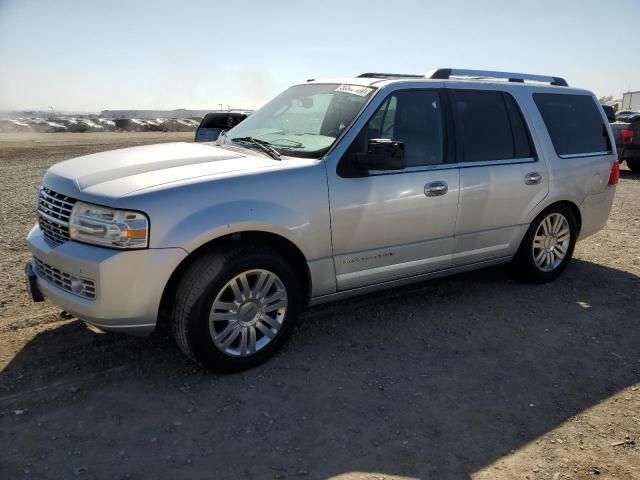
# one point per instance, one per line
(78, 286)
(54, 210)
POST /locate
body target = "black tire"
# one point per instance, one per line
(203, 280)
(634, 165)
(524, 262)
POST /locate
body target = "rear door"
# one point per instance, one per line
(501, 177)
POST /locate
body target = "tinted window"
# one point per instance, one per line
(521, 138)
(489, 126)
(214, 120)
(234, 119)
(413, 117)
(574, 123)
(608, 111)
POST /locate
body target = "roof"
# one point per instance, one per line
(451, 74)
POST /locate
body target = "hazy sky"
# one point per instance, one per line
(91, 55)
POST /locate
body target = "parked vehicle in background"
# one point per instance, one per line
(92, 126)
(176, 125)
(627, 115)
(74, 125)
(213, 124)
(11, 125)
(609, 113)
(627, 138)
(154, 125)
(631, 101)
(132, 125)
(332, 189)
(109, 125)
(46, 126)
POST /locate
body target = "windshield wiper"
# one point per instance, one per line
(261, 144)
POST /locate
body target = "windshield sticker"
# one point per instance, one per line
(354, 90)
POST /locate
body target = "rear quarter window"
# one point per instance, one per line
(574, 123)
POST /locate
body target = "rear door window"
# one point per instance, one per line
(574, 123)
(489, 126)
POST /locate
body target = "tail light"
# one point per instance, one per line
(614, 176)
(627, 137)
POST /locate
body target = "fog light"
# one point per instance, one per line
(77, 286)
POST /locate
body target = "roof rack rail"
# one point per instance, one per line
(446, 73)
(388, 76)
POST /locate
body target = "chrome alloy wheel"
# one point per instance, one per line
(248, 312)
(551, 242)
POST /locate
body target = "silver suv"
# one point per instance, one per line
(332, 189)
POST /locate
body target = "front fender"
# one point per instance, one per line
(222, 219)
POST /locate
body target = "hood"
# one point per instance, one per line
(116, 173)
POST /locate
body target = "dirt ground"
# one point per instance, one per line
(474, 376)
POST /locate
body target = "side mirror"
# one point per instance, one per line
(382, 154)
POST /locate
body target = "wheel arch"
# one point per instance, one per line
(567, 203)
(574, 209)
(285, 247)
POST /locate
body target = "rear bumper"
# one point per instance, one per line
(128, 284)
(628, 152)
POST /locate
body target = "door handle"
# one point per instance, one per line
(532, 178)
(434, 189)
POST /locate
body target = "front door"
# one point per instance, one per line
(390, 225)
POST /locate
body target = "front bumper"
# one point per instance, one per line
(128, 284)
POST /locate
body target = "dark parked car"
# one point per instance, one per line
(213, 124)
(627, 115)
(609, 112)
(627, 138)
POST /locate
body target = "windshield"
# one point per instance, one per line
(304, 120)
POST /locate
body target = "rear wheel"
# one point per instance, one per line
(634, 165)
(548, 245)
(233, 310)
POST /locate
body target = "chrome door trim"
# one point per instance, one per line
(352, 276)
(449, 166)
(490, 163)
(586, 154)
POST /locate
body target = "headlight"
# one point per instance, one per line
(108, 227)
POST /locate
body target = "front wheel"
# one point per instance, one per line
(233, 310)
(548, 245)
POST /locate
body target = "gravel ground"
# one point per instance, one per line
(473, 376)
